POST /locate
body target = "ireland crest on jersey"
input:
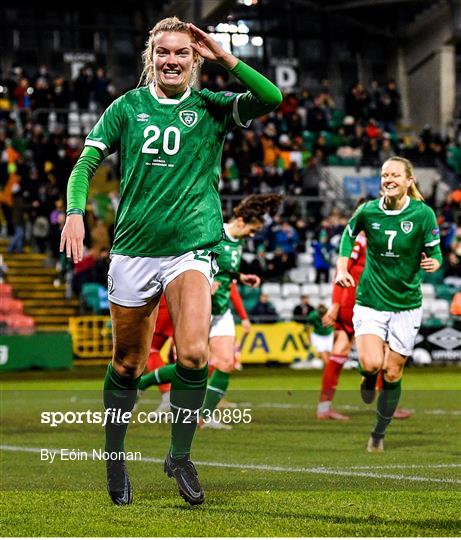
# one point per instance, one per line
(407, 226)
(188, 118)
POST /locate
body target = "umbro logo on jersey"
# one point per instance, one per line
(376, 226)
(188, 118)
(142, 117)
(406, 226)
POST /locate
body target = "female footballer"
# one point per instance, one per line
(402, 238)
(168, 223)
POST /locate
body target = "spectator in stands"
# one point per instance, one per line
(323, 251)
(264, 311)
(302, 310)
(316, 117)
(16, 244)
(41, 100)
(286, 238)
(82, 88)
(61, 97)
(102, 88)
(259, 265)
(278, 266)
(57, 219)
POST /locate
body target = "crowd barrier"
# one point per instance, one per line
(281, 342)
(51, 350)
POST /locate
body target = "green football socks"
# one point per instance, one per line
(387, 403)
(158, 376)
(188, 388)
(217, 386)
(119, 396)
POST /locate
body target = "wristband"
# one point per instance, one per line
(73, 211)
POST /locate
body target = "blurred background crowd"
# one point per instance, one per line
(44, 119)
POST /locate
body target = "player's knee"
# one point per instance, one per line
(224, 364)
(369, 363)
(194, 355)
(127, 364)
(393, 373)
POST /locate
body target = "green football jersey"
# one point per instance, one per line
(229, 258)
(315, 321)
(391, 280)
(170, 153)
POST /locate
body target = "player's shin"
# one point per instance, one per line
(119, 396)
(330, 377)
(188, 388)
(387, 404)
(217, 386)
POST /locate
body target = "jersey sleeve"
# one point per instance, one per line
(432, 236)
(353, 227)
(107, 132)
(262, 96)
(83, 171)
(223, 107)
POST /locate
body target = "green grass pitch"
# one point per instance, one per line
(284, 474)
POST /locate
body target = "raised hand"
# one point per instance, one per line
(210, 49)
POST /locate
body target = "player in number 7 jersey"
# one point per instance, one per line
(169, 222)
(402, 238)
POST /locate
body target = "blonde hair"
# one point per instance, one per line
(170, 24)
(413, 190)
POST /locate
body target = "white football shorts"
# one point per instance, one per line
(135, 281)
(399, 329)
(322, 343)
(222, 325)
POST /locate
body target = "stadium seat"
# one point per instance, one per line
(428, 290)
(6, 290)
(290, 290)
(445, 291)
(20, 324)
(10, 306)
(299, 275)
(304, 259)
(248, 257)
(311, 289)
(94, 296)
(271, 289)
(441, 309)
(326, 290)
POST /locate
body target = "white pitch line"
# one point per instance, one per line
(274, 468)
(405, 466)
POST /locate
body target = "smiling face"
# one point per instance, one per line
(394, 180)
(173, 61)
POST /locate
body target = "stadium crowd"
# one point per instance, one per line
(281, 152)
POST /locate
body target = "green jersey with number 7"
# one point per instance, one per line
(396, 239)
(171, 162)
